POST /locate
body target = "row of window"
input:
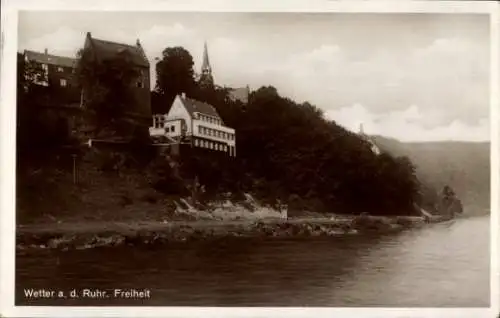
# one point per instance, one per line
(211, 145)
(62, 82)
(45, 67)
(159, 121)
(169, 128)
(215, 133)
(209, 119)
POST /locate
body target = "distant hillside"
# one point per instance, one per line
(465, 166)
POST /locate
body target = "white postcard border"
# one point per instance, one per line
(7, 141)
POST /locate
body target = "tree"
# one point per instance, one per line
(174, 73)
(107, 86)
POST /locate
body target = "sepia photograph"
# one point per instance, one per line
(253, 159)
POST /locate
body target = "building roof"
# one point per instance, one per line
(195, 106)
(107, 49)
(50, 59)
(240, 94)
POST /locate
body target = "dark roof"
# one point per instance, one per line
(107, 49)
(194, 106)
(50, 59)
(240, 94)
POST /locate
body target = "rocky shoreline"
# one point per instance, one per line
(106, 235)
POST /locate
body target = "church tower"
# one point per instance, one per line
(206, 78)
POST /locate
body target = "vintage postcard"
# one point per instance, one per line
(249, 159)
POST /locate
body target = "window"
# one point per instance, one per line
(63, 82)
(45, 67)
(199, 129)
(225, 148)
(172, 129)
(211, 145)
(196, 142)
(60, 69)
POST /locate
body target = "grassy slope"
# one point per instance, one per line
(465, 166)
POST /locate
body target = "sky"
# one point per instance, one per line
(409, 76)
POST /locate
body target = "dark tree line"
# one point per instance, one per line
(289, 151)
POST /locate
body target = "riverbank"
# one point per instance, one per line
(65, 236)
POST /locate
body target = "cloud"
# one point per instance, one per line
(392, 124)
(64, 41)
(424, 89)
(448, 79)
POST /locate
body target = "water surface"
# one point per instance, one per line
(441, 265)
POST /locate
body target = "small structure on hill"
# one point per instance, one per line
(375, 149)
(239, 94)
(196, 123)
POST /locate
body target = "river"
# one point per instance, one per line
(440, 265)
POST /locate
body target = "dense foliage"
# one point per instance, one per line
(291, 152)
(174, 75)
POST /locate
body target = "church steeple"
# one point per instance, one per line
(206, 77)
(205, 67)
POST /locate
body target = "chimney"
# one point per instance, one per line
(46, 51)
(138, 43)
(183, 95)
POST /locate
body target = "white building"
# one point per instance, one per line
(195, 122)
(375, 149)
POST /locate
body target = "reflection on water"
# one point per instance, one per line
(440, 265)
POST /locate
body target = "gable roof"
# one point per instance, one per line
(107, 49)
(195, 106)
(205, 66)
(50, 59)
